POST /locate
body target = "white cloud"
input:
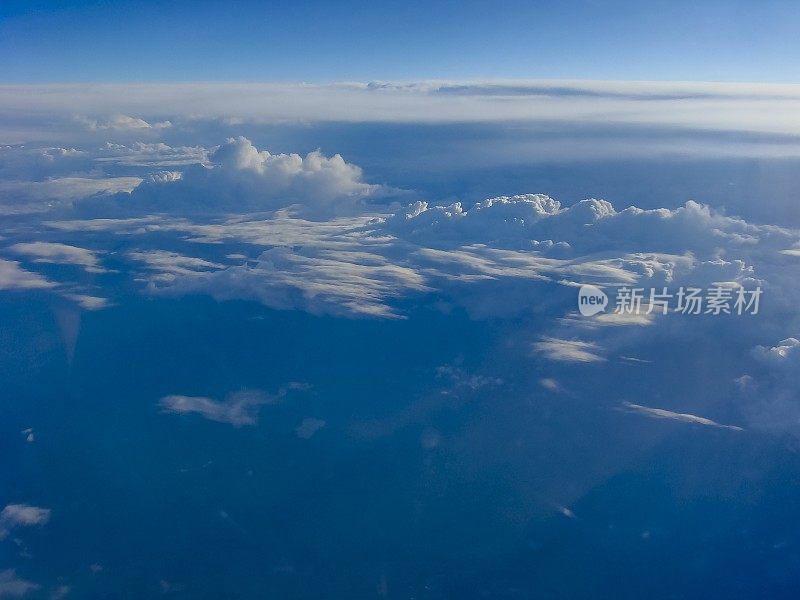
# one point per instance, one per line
(551, 384)
(537, 222)
(121, 123)
(240, 178)
(320, 281)
(167, 266)
(309, 427)
(12, 277)
(767, 108)
(238, 408)
(51, 252)
(568, 350)
(21, 515)
(784, 354)
(88, 302)
(458, 377)
(130, 226)
(360, 266)
(660, 413)
(12, 586)
(156, 154)
(23, 197)
(769, 392)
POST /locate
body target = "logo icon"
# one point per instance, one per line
(591, 300)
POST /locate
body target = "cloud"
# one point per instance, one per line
(518, 247)
(238, 408)
(660, 413)
(551, 384)
(458, 377)
(538, 222)
(768, 108)
(51, 252)
(88, 302)
(568, 350)
(121, 123)
(309, 427)
(59, 592)
(12, 586)
(12, 277)
(240, 178)
(19, 162)
(768, 393)
(784, 354)
(21, 515)
(167, 266)
(24, 197)
(143, 154)
(320, 281)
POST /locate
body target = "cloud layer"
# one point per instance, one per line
(720, 106)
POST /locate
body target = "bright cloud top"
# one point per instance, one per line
(240, 178)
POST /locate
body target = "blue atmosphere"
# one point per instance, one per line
(126, 40)
(433, 301)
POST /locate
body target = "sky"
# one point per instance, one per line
(321, 42)
(412, 300)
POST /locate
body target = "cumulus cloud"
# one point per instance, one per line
(240, 178)
(538, 222)
(21, 515)
(522, 245)
(238, 408)
(769, 391)
(784, 354)
(121, 123)
(660, 413)
(23, 162)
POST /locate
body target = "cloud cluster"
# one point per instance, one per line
(238, 408)
(517, 246)
(121, 123)
(769, 390)
(240, 179)
(568, 350)
(52, 252)
(537, 222)
(21, 515)
(13, 277)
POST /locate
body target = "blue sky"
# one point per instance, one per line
(358, 40)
